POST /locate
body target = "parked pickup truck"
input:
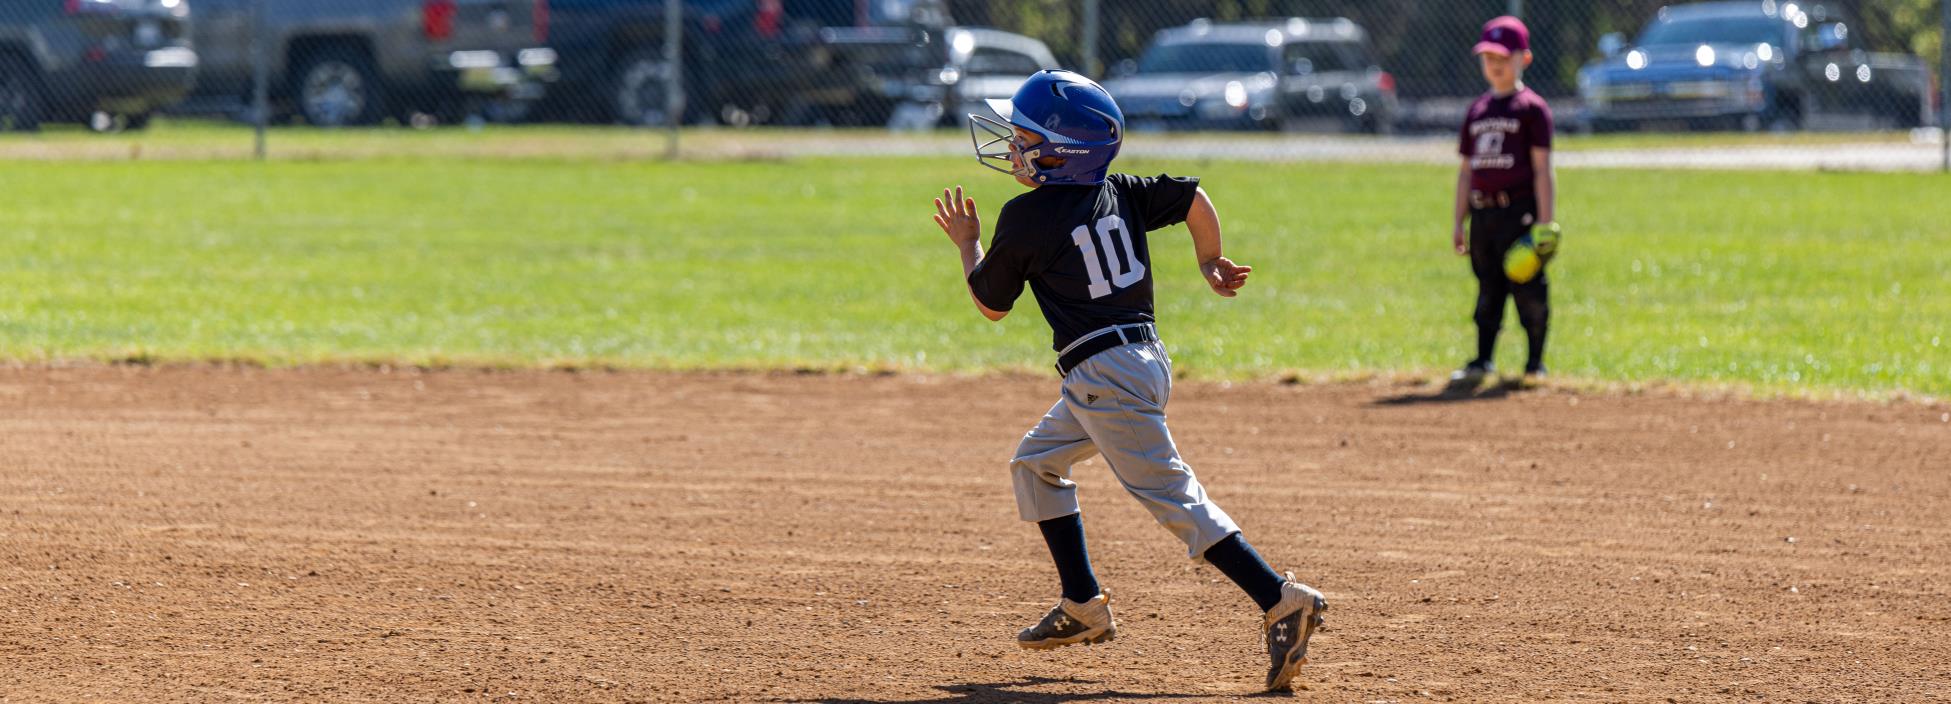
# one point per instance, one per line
(100, 61)
(747, 61)
(357, 62)
(1751, 65)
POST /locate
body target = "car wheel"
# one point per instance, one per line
(338, 87)
(638, 94)
(20, 96)
(1787, 115)
(1909, 115)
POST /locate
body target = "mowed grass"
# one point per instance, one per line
(1815, 283)
(171, 140)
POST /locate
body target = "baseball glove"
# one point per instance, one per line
(1531, 252)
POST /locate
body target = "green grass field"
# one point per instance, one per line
(1816, 283)
(210, 140)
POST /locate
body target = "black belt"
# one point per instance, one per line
(1102, 340)
(1480, 200)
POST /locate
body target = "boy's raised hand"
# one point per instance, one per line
(1224, 276)
(956, 214)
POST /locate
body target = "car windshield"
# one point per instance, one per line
(1705, 30)
(1322, 57)
(1206, 58)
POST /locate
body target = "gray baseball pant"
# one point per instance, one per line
(1114, 404)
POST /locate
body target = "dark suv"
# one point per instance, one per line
(89, 60)
(1280, 74)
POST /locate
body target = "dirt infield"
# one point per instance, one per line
(217, 534)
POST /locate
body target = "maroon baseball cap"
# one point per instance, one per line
(1504, 36)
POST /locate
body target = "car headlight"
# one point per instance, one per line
(1235, 94)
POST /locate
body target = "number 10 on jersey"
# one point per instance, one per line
(1125, 271)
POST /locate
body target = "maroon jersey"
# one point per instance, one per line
(1498, 136)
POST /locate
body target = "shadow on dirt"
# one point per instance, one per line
(1456, 393)
(985, 693)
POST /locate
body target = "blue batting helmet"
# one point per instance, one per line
(1076, 117)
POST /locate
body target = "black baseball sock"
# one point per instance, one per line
(1066, 539)
(1534, 311)
(1238, 560)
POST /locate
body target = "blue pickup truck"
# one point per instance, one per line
(745, 61)
(1751, 65)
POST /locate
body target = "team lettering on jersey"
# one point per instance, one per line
(1490, 134)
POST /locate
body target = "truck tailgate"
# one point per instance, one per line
(501, 25)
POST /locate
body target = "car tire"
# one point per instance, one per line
(638, 89)
(21, 101)
(338, 87)
(1909, 114)
(1788, 115)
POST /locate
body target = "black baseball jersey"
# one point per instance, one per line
(1083, 251)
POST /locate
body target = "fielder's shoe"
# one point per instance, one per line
(1289, 626)
(1473, 373)
(1070, 623)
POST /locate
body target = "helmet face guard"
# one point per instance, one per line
(996, 146)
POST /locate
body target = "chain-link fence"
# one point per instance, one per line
(1283, 69)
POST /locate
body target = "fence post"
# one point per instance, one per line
(260, 81)
(1515, 8)
(1944, 84)
(674, 76)
(1092, 66)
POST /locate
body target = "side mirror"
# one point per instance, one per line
(1124, 68)
(1611, 44)
(1832, 37)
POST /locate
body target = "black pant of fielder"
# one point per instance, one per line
(1493, 229)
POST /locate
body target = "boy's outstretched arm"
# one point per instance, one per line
(1221, 273)
(957, 217)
